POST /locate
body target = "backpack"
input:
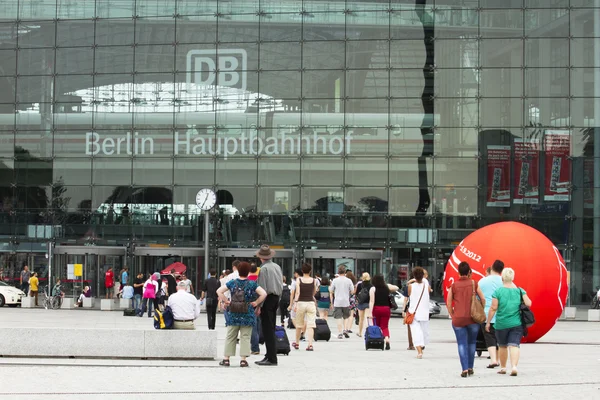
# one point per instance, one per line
(238, 302)
(285, 294)
(163, 319)
(364, 295)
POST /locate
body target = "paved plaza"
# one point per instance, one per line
(564, 362)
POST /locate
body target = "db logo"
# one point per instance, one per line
(225, 67)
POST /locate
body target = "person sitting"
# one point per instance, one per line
(127, 292)
(87, 292)
(184, 306)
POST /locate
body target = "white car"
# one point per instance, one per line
(10, 295)
(434, 307)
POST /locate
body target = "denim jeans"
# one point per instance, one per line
(137, 301)
(254, 337)
(226, 316)
(466, 338)
(147, 303)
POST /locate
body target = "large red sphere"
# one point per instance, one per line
(539, 268)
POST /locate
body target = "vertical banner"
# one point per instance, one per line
(526, 172)
(498, 176)
(557, 146)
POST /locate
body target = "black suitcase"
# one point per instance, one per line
(290, 324)
(322, 331)
(282, 343)
(480, 345)
(129, 312)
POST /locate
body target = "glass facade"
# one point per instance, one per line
(398, 126)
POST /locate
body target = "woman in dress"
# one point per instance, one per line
(506, 304)
(324, 298)
(459, 309)
(362, 300)
(418, 295)
(240, 322)
(379, 304)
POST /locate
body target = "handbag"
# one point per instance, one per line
(477, 311)
(392, 301)
(410, 317)
(527, 317)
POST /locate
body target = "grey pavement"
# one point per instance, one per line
(562, 363)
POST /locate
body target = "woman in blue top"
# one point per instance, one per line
(241, 322)
(323, 298)
(506, 304)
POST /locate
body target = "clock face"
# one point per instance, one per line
(206, 199)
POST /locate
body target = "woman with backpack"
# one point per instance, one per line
(362, 300)
(324, 298)
(246, 295)
(149, 295)
(379, 303)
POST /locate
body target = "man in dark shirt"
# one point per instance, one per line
(138, 288)
(171, 283)
(209, 292)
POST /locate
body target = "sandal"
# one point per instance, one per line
(470, 371)
(464, 374)
(502, 371)
(309, 348)
(295, 345)
(243, 363)
(513, 372)
(492, 366)
(420, 356)
(410, 348)
(224, 363)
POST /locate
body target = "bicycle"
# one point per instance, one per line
(51, 302)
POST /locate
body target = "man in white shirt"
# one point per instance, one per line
(341, 289)
(185, 308)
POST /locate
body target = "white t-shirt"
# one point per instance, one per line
(341, 287)
(230, 277)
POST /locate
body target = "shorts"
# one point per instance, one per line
(305, 310)
(510, 337)
(341, 312)
(490, 337)
(362, 307)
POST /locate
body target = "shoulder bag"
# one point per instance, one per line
(527, 318)
(477, 311)
(410, 317)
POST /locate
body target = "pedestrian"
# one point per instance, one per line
(109, 282)
(362, 300)
(254, 338)
(253, 275)
(229, 275)
(324, 298)
(353, 310)
(459, 309)
(190, 287)
(488, 286)
(379, 305)
(210, 296)
(341, 289)
(150, 289)
(418, 299)
(127, 292)
(292, 306)
(125, 276)
(57, 290)
(304, 306)
(506, 306)
(24, 280)
(246, 296)
(33, 287)
(284, 301)
(87, 292)
(171, 283)
(269, 279)
(138, 288)
(161, 293)
(185, 307)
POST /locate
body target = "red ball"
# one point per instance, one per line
(539, 268)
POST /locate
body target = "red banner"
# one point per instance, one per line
(526, 172)
(498, 176)
(557, 145)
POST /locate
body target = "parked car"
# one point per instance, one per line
(10, 295)
(434, 306)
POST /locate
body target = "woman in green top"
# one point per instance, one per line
(323, 298)
(506, 302)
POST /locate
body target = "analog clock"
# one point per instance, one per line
(206, 199)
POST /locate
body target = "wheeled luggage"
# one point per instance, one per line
(374, 338)
(480, 345)
(322, 331)
(282, 343)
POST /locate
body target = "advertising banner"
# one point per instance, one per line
(557, 146)
(498, 176)
(526, 172)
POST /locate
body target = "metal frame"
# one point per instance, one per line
(251, 253)
(96, 250)
(169, 251)
(350, 254)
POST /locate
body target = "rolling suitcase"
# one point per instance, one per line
(322, 331)
(374, 338)
(282, 343)
(129, 312)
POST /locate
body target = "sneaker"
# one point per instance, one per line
(340, 336)
(346, 335)
(349, 331)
